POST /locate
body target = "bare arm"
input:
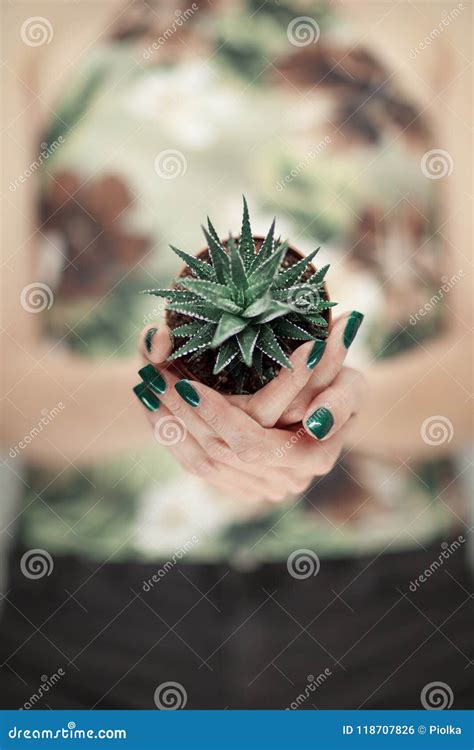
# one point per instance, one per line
(435, 379)
(98, 417)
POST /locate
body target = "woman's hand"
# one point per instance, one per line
(229, 448)
(295, 394)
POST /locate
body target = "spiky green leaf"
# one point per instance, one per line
(288, 330)
(237, 271)
(258, 307)
(216, 294)
(318, 277)
(315, 319)
(200, 341)
(227, 352)
(187, 329)
(246, 339)
(267, 248)
(262, 276)
(228, 326)
(173, 295)
(290, 275)
(219, 257)
(201, 269)
(193, 310)
(257, 363)
(246, 244)
(269, 345)
(274, 310)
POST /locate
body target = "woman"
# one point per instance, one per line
(284, 559)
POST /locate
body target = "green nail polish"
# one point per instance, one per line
(187, 392)
(153, 378)
(315, 354)
(147, 397)
(352, 326)
(148, 338)
(320, 422)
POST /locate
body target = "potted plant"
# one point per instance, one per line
(241, 306)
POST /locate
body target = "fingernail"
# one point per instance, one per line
(147, 397)
(153, 378)
(148, 339)
(352, 326)
(187, 392)
(320, 422)
(315, 354)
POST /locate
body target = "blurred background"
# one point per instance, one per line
(125, 127)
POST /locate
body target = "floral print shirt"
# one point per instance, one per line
(166, 122)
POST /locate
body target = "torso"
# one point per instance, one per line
(333, 150)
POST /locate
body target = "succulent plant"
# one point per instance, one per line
(247, 303)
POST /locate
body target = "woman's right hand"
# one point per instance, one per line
(217, 440)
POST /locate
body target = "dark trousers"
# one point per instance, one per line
(353, 636)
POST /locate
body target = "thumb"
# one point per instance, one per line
(155, 343)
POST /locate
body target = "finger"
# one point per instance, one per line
(171, 431)
(241, 433)
(267, 405)
(155, 343)
(251, 442)
(199, 422)
(330, 410)
(162, 382)
(309, 457)
(328, 366)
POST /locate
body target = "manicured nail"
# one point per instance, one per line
(148, 339)
(147, 397)
(320, 422)
(315, 354)
(153, 378)
(352, 326)
(187, 392)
